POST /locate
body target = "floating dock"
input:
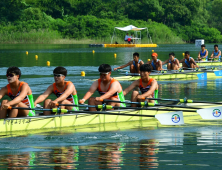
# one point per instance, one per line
(123, 45)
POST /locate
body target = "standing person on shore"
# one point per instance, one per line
(216, 53)
(188, 62)
(147, 85)
(135, 64)
(108, 88)
(172, 63)
(65, 92)
(156, 64)
(203, 54)
(20, 94)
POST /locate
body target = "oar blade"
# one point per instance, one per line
(171, 118)
(218, 73)
(211, 113)
(202, 76)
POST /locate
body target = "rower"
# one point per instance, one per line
(203, 54)
(147, 85)
(108, 88)
(172, 62)
(20, 94)
(216, 53)
(65, 92)
(188, 62)
(156, 64)
(134, 64)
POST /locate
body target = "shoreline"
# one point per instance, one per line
(74, 41)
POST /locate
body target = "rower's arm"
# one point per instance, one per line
(192, 61)
(92, 89)
(160, 63)
(43, 96)
(212, 55)
(219, 54)
(165, 62)
(198, 55)
(114, 88)
(69, 90)
(206, 54)
(178, 63)
(141, 62)
(3, 92)
(21, 96)
(131, 87)
(153, 87)
(123, 66)
(182, 60)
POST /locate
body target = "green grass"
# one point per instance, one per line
(33, 36)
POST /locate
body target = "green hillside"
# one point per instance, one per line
(83, 21)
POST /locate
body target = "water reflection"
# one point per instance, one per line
(148, 153)
(162, 148)
(17, 161)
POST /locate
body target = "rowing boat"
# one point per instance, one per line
(172, 75)
(9, 125)
(207, 63)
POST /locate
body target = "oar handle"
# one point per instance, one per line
(40, 109)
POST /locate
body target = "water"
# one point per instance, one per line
(134, 148)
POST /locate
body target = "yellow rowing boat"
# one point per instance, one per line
(78, 120)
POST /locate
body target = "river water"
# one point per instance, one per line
(133, 148)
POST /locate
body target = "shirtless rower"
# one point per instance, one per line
(134, 64)
(203, 54)
(156, 64)
(172, 62)
(108, 88)
(65, 92)
(147, 85)
(20, 94)
(188, 62)
(216, 53)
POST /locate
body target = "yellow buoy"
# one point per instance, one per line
(93, 51)
(83, 73)
(152, 51)
(36, 57)
(48, 63)
(115, 55)
(148, 59)
(26, 52)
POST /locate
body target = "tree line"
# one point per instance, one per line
(180, 20)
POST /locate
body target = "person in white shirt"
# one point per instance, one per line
(126, 37)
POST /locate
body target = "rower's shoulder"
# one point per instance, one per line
(22, 83)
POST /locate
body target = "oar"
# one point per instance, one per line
(131, 74)
(171, 118)
(184, 100)
(56, 110)
(104, 107)
(146, 104)
(213, 113)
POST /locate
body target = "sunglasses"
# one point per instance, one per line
(58, 75)
(10, 75)
(102, 73)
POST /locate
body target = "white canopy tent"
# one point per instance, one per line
(137, 33)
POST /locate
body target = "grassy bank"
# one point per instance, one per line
(81, 30)
(54, 37)
(33, 36)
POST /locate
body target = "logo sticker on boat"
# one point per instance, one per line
(216, 112)
(175, 118)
